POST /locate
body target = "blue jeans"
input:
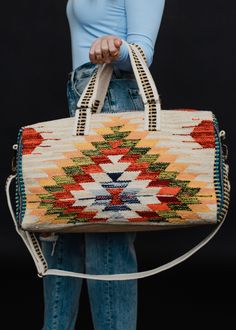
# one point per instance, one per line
(113, 303)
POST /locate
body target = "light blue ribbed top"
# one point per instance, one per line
(132, 20)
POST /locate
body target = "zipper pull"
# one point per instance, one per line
(13, 161)
(224, 146)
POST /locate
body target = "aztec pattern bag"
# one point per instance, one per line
(126, 171)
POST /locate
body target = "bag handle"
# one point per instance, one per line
(102, 81)
(89, 102)
(34, 248)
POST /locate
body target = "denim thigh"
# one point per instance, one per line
(122, 94)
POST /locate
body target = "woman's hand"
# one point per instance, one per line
(105, 49)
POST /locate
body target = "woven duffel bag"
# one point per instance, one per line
(126, 171)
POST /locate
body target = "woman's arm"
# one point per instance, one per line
(143, 23)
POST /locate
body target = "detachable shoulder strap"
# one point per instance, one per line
(34, 248)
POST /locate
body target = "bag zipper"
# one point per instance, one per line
(20, 190)
(221, 180)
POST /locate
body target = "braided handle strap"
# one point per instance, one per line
(88, 104)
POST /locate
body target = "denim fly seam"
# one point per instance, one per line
(109, 285)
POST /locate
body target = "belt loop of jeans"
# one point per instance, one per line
(71, 76)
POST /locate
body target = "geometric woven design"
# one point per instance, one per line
(120, 173)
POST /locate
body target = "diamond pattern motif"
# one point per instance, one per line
(121, 173)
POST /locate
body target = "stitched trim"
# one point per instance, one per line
(84, 110)
(38, 251)
(140, 50)
(147, 89)
(221, 180)
(20, 195)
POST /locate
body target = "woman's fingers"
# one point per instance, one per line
(105, 49)
(117, 43)
(112, 48)
(95, 53)
(98, 53)
(92, 53)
